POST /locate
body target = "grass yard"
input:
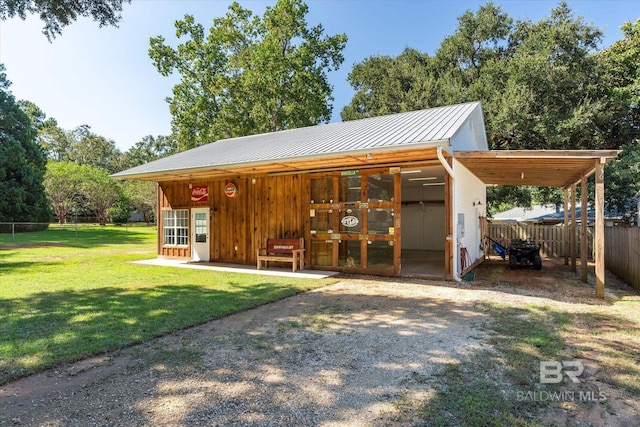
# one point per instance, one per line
(67, 293)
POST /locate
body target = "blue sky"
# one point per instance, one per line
(103, 77)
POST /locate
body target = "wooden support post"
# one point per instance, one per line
(397, 222)
(574, 248)
(599, 229)
(565, 229)
(448, 227)
(584, 229)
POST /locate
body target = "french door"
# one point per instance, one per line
(355, 221)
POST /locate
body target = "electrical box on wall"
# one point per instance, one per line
(460, 225)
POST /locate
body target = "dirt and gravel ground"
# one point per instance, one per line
(346, 355)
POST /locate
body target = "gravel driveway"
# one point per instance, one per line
(346, 355)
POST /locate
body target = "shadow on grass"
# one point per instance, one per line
(46, 329)
(16, 266)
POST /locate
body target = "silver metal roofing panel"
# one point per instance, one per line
(396, 130)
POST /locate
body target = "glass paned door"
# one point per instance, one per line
(200, 232)
(353, 222)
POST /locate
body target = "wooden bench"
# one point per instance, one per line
(282, 250)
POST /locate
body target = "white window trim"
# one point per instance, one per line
(166, 213)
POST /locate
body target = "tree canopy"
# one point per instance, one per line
(248, 74)
(57, 14)
(543, 85)
(22, 163)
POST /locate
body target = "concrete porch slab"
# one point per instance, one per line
(238, 268)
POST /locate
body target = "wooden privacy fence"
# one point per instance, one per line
(622, 253)
(549, 237)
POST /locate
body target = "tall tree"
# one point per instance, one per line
(553, 92)
(387, 85)
(57, 14)
(622, 73)
(249, 74)
(142, 197)
(62, 185)
(55, 141)
(623, 182)
(22, 163)
(100, 192)
(150, 148)
(541, 84)
(622, 67)
(88, 148)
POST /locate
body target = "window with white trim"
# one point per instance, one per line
(175, 227)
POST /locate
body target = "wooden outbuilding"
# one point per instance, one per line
(403, 194)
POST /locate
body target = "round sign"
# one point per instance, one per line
(349, 221)
(230, 189)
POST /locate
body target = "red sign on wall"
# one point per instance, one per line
(199, 193)
(230, 189)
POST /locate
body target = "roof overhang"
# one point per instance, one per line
(377, 157)
(544, 168)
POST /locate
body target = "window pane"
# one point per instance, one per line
(169, 236)
(322, 190)
(322, 222)
(183, 236)
(380, 255)
(182, 219)
(321, 252)
(167, 218)
(349, 254)
(380, 221)
(350, 187)
(381, 187)
(201, 223)
(201, 227)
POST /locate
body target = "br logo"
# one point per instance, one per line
(552, 371)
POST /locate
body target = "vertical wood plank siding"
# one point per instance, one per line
(622, 253)
(270, 207)
(549, 237)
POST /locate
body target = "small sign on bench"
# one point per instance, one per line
(282, 250)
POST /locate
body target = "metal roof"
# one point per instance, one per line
(435, 125)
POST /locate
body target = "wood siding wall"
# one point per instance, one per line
(270, 207)
(549, 237)
(622, 253)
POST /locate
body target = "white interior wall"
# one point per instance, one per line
(423, 225)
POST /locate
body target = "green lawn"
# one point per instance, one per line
(66, 294)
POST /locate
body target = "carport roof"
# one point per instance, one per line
(545, 168)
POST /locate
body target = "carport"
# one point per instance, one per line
(564, 169)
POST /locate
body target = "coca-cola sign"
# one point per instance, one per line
(199, 193)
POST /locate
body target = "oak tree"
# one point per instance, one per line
(57, 14)
(248, 74)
